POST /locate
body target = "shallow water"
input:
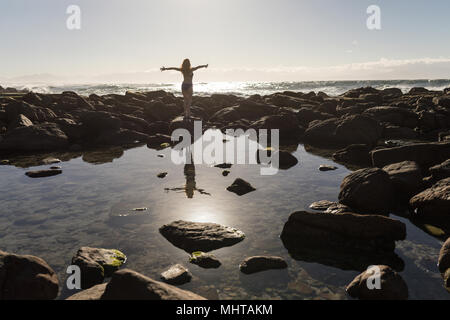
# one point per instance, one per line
(53, 217)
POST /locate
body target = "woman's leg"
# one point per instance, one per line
(188, 102)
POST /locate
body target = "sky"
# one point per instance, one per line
(241, 40)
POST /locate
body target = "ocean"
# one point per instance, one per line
(240, 88)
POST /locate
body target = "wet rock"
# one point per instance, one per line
(353, 129)
(225, 173)
(441, 171)
(354, 154)
(324, 167)
(286, 159)
(121, 137)
(162, 175)
(337, 208)
(43, 173)
(4, 162)
(20, 121)
(433, 202)
(396, 116)
(392, 285)
(25, 277)
(204, 260)
(444, 257)
(223, 166)
(160, 127)
(406, 177)
(394, 132)
(240, 187)
(94, 293)
(50, 160)
(156, 140)
(196, 236)
(344, 231)
(287, 124)
(424, 154)
(159, 111)
(368, 190)
(95, 122)
(262, 263)
(321, 205)
(176, 275)
(96, 264)
(129, 285)
(40, 137)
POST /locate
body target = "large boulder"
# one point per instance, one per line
(96, 264)
(343, 231)
(353, 129)
(25, 277)
(392, 285)
(368, 191)
(444, 257)
(130, 285)
(252, 110)
(406, 177)
(424, 154)
(287, 124)
(433, 202)
(20, 121)
(35, 114)
(40, 137)
(196, 236)
(95, 122)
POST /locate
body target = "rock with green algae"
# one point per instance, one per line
(204, 260)
(96, 264)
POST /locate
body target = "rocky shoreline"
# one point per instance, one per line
(400, 144)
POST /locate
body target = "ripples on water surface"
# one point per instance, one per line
(53, 217)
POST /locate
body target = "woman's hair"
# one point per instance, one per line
(186, 66)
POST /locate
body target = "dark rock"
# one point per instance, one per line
(25, 277)
(285, 159)
(394, 132)
(418, 91)
(262, 263)
(43, 173)
(96, 264)
(160, 111)
(130, 285)
(406, 177)
(160, 127)
(345, 231)
(394, 115)
(287, 124)
(353, 154)
(441, 171)
(176, 275)
(443, 101)
(223, 166)
(368, 190)
(21, 121)
(196, 236)
(225, 173)
(424, 154)
(121, 137)
(93, 293)
(157, 140)
(433, 202)
(305, 116)
(392, 285)
(444, 257)
(204, 260)
(95, 122)
(240, 187)
(162, 175)
(33, 113)
(41, 137)
(324, 167)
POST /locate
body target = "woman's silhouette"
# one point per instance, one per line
(187, 86)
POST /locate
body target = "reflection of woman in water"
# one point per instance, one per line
(187, 86)
(189, 172)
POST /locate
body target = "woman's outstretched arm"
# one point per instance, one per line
(199, 67)
(172, 68)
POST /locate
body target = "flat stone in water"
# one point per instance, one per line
(262, 263)
(324, 167)
(197, 236)
(43, 173)
(225, 173)
(176, 274)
